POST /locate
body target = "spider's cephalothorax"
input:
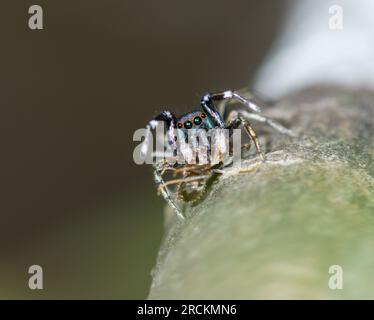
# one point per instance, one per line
(194, 178)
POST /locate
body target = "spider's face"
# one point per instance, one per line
(189, 127)
(194, 121)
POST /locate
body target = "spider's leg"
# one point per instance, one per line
(188, 169)
(210, 109)
(253, 135)
(227, 95)
(166, 193)
(237, 122)
(219, 171)
(260, 118)
(169, 120)
(178, 189)
(234, 122)
(182, 180)
(251, 105)
(224, 105)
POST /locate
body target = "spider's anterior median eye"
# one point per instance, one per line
(188, 124)
(197, 120)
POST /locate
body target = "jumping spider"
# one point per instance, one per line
(195, 177)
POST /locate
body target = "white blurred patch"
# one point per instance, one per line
(309, 52)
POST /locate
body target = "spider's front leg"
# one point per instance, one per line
(169, 119)
(228, 95)
(159, 167)
(210, 109)
(208, 106)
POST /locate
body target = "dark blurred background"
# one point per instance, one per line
(72, 199)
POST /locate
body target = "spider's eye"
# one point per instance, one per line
(188, 124)
(180, 125)
(197, 120)
(203, 115)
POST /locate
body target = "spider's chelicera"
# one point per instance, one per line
(194, 176)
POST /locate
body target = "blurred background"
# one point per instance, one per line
(72, 199)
